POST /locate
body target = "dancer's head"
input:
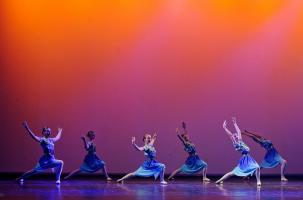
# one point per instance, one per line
(147, 138)
(46, 131)
(91, 135)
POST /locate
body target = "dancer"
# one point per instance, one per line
(48, 160)
(247, 165)
(91, 161)
(150, 166)
(272, 158)
(193, 163)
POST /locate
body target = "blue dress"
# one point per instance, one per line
(150, 167)
(91, 162)
(48, 159)
(193, 163)
(246, 165)
(272, 158)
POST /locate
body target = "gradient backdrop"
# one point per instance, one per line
(121, 68)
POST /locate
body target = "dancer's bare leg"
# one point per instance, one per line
(162, 181)
(226, 176)
(174, 173)
(58, 171)
(76, 171)
(204, 171)
(283, 166)
(127, 176)
(26, 175)
(258, 177)
(106, 174)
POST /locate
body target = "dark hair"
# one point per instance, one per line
(183, 125)
(45, 129)
(90, 133)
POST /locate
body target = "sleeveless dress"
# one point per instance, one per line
(150, 167)
(193, 163)
(48, 159)
(272, 158)
(246, 165)
(91, 162)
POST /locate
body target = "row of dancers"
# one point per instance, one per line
(247, 166)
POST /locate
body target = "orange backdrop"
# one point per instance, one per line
(128, 66)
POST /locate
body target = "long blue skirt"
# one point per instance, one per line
(246, 166)
(92, 163)
(150, 168)
(272, 159)
(193, 164)
(47, 162)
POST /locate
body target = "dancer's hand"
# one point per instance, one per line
(224, 124)
(83, 138)
(60, 130)
(25, 125)
(133, 140)
(155, 135)
(234, 120)
(177, 130)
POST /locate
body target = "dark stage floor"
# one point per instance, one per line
(148, 189)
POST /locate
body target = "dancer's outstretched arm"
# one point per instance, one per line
(179, 136)
(247, 134)
(228, 132)
(253, 136)
(36, 138)
(84, 142)
(136, 146)
(237, 128)
(58, 136)
(184, 128)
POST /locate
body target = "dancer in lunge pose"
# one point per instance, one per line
(48, 160)
(92, 163)
(150, 166)
(272, 158)
(193, 163)
(247, 165)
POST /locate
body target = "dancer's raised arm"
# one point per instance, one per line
(36, 138)
(58, 136)
(179, 136)
(153, 139)
(184, 127)
(228, 132)
(255, 137)
(84, 142)
(237, 128)
(136, 146)
(253, 134)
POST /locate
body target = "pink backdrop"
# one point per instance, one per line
(121, 68)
